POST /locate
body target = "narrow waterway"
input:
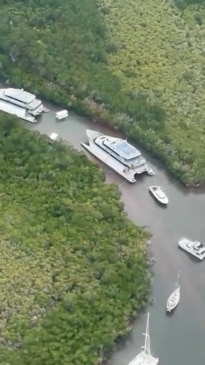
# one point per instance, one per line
(177, 339)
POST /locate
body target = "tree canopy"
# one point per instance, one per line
(73, 267)
(137, 66)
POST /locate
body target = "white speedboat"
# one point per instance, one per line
(174, 298)
(159, 194)
(194, 248)
(116, 153)
(21, 99)
(145, 357)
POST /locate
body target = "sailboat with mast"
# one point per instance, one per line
(174, 298)
(145, 357)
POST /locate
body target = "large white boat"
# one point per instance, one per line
(145, 357)
(194, 248)
(22, 100)
(174, 298)
(116, 153)
(159, 194)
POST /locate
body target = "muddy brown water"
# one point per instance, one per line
(177, 339)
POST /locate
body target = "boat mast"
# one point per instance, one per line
(146, 346)
(178, 276)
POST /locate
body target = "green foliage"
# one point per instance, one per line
(163, 51)
(73, 267)
(137, 66)
(182, 4)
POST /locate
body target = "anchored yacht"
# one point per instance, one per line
(194, 248)
(116, 153)
(13, 101)
(145, 357)
(174, 298)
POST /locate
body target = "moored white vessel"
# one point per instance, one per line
(174, 298)
(194, 248)
(62, 114)
(159, 194)
(53, 136)
(145, 357)
(116, 153)
(150, 171)
(20, 103)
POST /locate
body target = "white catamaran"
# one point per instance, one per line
(21, 103)
(145, 357)
(174, 298)
(116, 153)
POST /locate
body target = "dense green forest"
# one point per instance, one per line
(136, 65)
(73, 267)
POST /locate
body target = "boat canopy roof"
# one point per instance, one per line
(122, 148)
(20, 95)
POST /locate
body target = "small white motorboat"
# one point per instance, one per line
(159, 194)
(63, 114)
(174, 298)
(194, 248)
(53, 136)
(150, 171)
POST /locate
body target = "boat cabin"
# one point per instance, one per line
(122, 148)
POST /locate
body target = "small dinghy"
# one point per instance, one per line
(53, 136)
(159, 194)
(150, 172)
(174, 298)
(63, 114)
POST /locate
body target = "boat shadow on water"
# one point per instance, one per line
(194, 259)
(169, 314)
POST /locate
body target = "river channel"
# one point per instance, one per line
(177, 339)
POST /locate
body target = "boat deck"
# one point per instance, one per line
(17, 111)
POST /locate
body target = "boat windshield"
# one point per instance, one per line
(197, 244)
(160, 194)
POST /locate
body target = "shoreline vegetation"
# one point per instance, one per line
(136, 67)
(74, 269)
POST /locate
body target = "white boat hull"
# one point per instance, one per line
(162, 200)
(144, 359)
(173, 300)
(17, 111)
(110, 161)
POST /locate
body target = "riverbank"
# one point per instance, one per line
(167, 333)
(63, 268)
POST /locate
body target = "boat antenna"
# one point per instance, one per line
(146, 346)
